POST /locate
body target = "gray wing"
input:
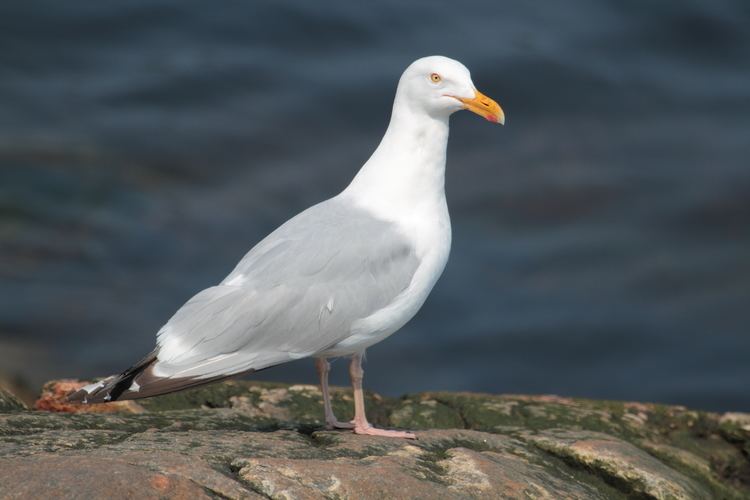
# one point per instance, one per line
(294, 294)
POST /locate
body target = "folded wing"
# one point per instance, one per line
(294, 294)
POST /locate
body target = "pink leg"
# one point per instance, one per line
(361, 425)
(324, 367)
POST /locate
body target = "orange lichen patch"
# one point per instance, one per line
(54, 399)
(160, 482)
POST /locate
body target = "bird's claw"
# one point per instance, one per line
(335, 424)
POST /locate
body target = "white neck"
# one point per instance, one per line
(407, 170)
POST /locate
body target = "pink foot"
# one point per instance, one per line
(372, 431)
(335, 424)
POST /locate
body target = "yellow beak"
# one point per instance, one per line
(484, 106)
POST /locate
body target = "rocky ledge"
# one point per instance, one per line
(265, 440)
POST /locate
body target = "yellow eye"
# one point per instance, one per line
(435, 78)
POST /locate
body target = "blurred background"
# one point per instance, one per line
(601, 244)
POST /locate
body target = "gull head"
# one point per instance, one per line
(440, 86)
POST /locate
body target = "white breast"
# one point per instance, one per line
(429, 229)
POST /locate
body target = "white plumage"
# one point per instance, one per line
(337, 278)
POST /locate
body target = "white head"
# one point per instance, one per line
(439, 86)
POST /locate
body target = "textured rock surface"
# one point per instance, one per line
(265, 440)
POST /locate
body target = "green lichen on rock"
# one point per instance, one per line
(208, 396)
(247, 439)
(424, 412)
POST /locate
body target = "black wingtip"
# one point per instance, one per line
(110, 389)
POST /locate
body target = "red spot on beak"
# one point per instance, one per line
(491, 118)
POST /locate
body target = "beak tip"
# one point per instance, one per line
(496, 119)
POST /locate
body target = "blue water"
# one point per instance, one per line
(601, 245)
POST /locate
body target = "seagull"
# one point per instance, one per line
(338, 277)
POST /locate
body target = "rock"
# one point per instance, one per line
(9, 402)
(620, 462)
(18, 387)
(93, 477)
(266, 440)
(439, 466)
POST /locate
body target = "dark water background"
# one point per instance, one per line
(601, 239)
